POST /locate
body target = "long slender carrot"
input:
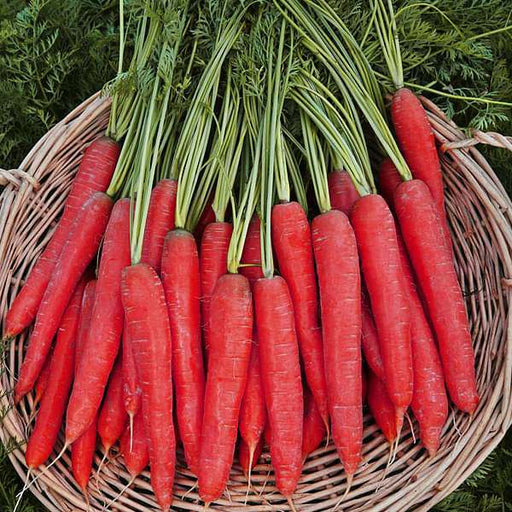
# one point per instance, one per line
(160, 221)
(42, 380)
(291, 240)
(375, 231)
(342, 192)
(134, 447)
(389, 179)
(314, 428)
(180, 277)
(251, 255)
(94, 175)
(281, 376)
(370, 339)
(432, 262)
(148, 322)
(131, 386)
(77, 253)
(103, 339)
(231, 325)
(82, 455)
(381, 407)
(53, 404)
(339, 282)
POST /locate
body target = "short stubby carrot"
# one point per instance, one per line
(82, 456)
(230, 349)
(180, 277)
(160, 221)
(342, 192)
(103, 339)
(281, 377)
(134, 447)
(314, 428)
(435, 272)
(376, 236)
(78, 251)
(94, 175)
(150, 333)
(339, 281)
(53, 403)
(381, 407)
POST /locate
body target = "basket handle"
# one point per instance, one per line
(15, 177)
(489, 138)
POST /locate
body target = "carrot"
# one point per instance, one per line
(231, 326)
(180, 278)
(42, 380)
(85, 319)
(339, 282)
(131, 387)
(251, 255)
(291, 240)
(82, 455)
(370, 339)
(148, 323)
(207, 218)
(78, 251)
(94, 175)
(433, 265)
(213, 264)
(342, 192)
(375, 231)
(112, 416)
(281, 376)
(136, 458)
(381, 407)
(160, 221)
(314, 428)
(103, 339)
(389, 179)
(248, 459)
(53, 404)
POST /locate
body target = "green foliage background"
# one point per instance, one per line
(55, 53)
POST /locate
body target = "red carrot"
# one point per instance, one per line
(251, 255)
(94, 175)
(213, 264)
(291, 240)
(148, 323)
(281, 376)
(381, 407)
(365, 386)
(375, 231)
(42, 380)
(248, 459)
(207, 218)
(53, 404)
(314, 428)
(137, 458)
(342, 192)
(370, 339)
(103, 339)
(389, 179)
(339, 281)
(432, 262)
(230, 349)
(82, 455)
(77, 253)
(131, 387)
(159, 222)
(180, 277)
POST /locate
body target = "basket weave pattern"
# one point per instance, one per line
(480, 214)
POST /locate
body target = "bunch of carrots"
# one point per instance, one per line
(233, 269)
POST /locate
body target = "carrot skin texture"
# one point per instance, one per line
(429, 400)
(281, 377)
(53, 404)
(82, 455)
(77, 253)
(231, 332)
(376, 236)
(370, 339)
(339, 280)
(112, 417)
(159, 222)
(417, 143)
(131, 386)
(42, 380)
(435, 272)
(213, 264)
(389, 180)
(342, 192)
(94, 175)
(136, 459)
(244, 455)
(381, 407)
(180, 278)
(251, 254)
(148, 322)
(102, 344)
(314, 428)
(207, 218)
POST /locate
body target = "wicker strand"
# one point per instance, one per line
(15, 177)
(478, 137)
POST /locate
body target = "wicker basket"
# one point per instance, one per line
(480, 213)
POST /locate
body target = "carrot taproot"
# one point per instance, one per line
(435, 272)
(78, 251)
(389, 179)
(370, 339)
(251, 256)
(291, 240)
(342, 192)
(103, 339)
(82, 455)
(147, 318)
(281, 377)
(231, 324)
(376, 236)
(94, 175)
(131, 386)
(134, 447)
(247, 458)
(381, 407)
(42, 380)
(180, 278)
(314, 428)
(339, 281)
(53, 403)
(207, 217)
(160, 221)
